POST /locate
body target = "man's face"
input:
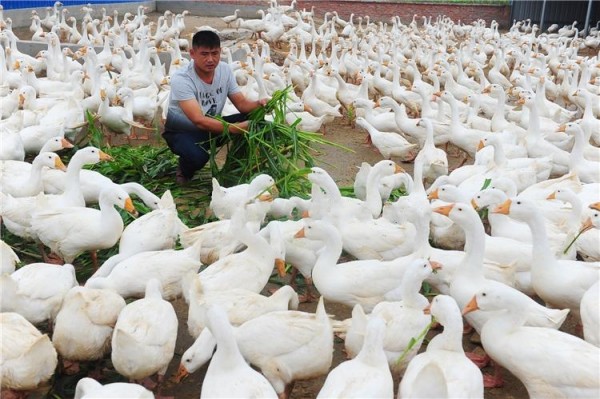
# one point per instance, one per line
(206, 59)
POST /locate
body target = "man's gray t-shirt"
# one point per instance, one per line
(186, 85)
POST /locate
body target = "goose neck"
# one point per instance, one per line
(451, 338)
(576, 156)
(329, 255)
(541, 247)
(474, 244)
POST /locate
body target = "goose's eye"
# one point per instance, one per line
(518, 202)
(484, 294)
(460, 209)
(188, 360)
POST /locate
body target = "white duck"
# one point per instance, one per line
(228, 374)
(143, 341)
(350, 283)
(524, 350)
(154, 231)
(240, 305)
(28, 357)
(83, 229)
(404, 319)
(367, 374)
(560, 283)
(88, 388)
(27, 292)
(225, 200)
(249, 269)
(443, 370)
(469, 277)
(116, 118)
(130, 276)
(588, 171)
(294, 346)
(13, 184)
(84, 325)
(590, 314)
(388, 143)
(435, 160)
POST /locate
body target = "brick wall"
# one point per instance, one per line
(382, 11)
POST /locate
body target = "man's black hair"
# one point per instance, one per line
(206, 38)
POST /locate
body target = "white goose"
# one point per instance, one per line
(27, 292)
(469, 277)
(14, 185)
(240, 305)
(389, 143)
(249, 269)
(404, 319)
(153, 231)
(143, 341)
(129, 276)
(297, 346)
(367, 374)
(587, 171)
(524, 350)
(72, 230)
(28, 357)
(443, 370)
(228, 374)
(88, 388)
(84, 325)
(350, 286)
(559, 283)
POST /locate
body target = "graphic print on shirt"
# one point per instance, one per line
(208, 99)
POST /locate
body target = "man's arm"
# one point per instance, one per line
(192, 110)
(243, 104)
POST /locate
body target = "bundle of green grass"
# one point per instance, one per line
(272, 146)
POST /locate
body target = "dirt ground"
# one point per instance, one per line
(342, 165)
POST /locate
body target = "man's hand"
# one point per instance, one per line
(239, 127)
(262, 102)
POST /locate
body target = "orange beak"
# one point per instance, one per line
(521, 101)
(474, 204)
(586, 225)
(58, 164)
(435, 265)
(129, 207)
(427, 309)
(398, 169)
(300, 233)
(305, 214)
(480, 145)
(66, 144)
(595, 205)
(562, 128)
(488, 89)
(471, 306)
(280, 265)
(444, 210)
(182, 373)
(503, 208)
(433, 195)
(551, 196)
(265, 197)
(105, 157)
